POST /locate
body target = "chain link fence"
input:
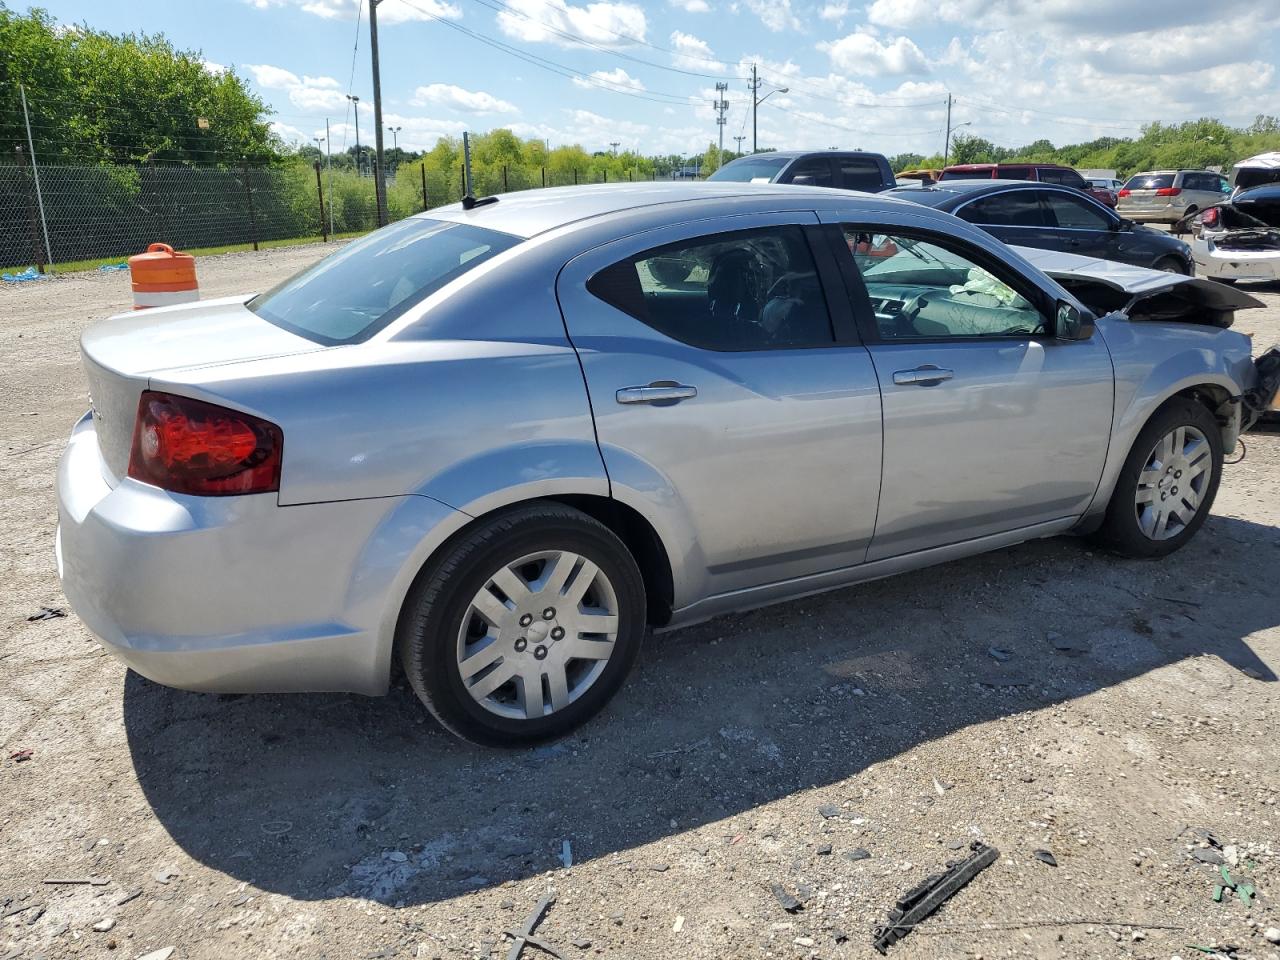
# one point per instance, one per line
(69, 213)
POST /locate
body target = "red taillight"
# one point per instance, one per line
(1124, 193)
(1210, 217)
(1168, 191)
(189, 446)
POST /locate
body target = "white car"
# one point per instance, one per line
(1239, 239)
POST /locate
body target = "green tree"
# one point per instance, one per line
(129, 98)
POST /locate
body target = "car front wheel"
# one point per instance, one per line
(1167, 484)
(525, 628)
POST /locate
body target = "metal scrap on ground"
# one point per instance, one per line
(524, 936)
(922, 900)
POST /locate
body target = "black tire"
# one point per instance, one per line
(1120, 530)
(427, 634)
(1170, 265)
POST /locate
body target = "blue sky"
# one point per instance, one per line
(873, 74)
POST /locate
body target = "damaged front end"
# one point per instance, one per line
(1238, 239)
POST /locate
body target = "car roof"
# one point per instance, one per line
(531, 212)
(949, 191)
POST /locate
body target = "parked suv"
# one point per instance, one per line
(1039, 172)
(845, 170)
(1166, 196)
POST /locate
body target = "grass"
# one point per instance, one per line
(75, 265)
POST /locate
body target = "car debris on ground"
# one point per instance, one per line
(524, 936)
(926, 897)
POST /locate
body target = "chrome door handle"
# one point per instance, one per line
(922, 376)
(660, 392)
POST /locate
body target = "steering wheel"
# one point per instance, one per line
(911, 309)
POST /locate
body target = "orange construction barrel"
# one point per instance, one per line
(162, 277)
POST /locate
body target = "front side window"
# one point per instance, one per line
(815, 170)
(1017, 208)
(922, 290)
(746, 290)
(1075, 213)
(350, 295)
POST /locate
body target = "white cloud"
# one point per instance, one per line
(307, 93)
(289, 133)
(458, 98)
(691, 53)
(212, 67)
(614, 79)
(864, 55)
(389, 11)
(776, 15)
(691, 6)
(561, 23)
(835, 11)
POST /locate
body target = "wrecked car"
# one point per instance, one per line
(495, 442)
(1239, 239)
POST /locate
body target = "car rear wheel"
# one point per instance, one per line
(525, 628)
(1167, 484)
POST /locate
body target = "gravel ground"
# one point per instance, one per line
(1134, 716)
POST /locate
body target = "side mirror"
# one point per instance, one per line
(1071, 324)
(1124, 223)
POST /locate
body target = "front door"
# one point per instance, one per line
(990, 424)
(1083, 225)
(729, 408)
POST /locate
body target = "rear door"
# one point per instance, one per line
(990, 423)
(816, 171)
(730, 401)
(1016, 215)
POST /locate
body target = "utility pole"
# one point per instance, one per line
(946, 144)
(355, 104)
(614, 144)
(721, 105)
(379, 173)
(328, 169)
(755, 106)
(740, 139)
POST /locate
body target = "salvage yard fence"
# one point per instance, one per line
(70, 213)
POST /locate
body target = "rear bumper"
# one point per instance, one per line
(1164, 213)
(236, 594)
(1212, 261)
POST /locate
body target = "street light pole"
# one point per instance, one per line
(379, 173)
(395, 138)
(355, 105)
(740, 139)
(756, 100)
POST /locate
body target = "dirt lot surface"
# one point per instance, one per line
(1128, 714)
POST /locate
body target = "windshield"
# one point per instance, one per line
(350, 295)
(1149, 181)
(1246, 178)
(751, 169)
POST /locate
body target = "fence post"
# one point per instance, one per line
(424, 186)
(544, 176)
(575, 176)
(324, 229)
(630, 178)
(505, 188)
(606, 175)
(31, 210)
(248, 196)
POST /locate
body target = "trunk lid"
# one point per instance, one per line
(1106, 286)
(120, 355)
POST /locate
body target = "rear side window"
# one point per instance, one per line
(1017, 208)
(1149, 181)
(352, 294)
(1068, 178)
(966, 175)
(746, 290)
(1015, 173)
(860, 173)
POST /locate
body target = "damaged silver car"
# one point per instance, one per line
(1239, 238)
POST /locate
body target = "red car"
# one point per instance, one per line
(1039, 172)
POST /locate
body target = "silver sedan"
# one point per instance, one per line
(500, 440)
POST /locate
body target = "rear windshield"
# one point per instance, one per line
(1149, 181)
(350, 295)
(1248, 177)
(763, 169)
(966, 174)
